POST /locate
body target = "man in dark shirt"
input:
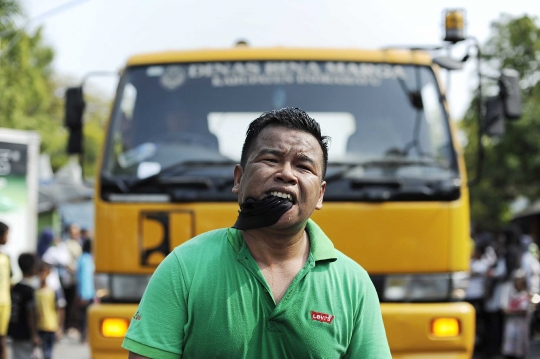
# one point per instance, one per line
(22, 324)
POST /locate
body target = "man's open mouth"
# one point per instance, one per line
(283, 195)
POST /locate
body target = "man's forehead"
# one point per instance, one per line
(285, 138)
(280, 140)
(284, 135)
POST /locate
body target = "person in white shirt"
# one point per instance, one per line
(531, 267)
(493, 315)
(475, 292)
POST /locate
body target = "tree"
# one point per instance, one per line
(31, 97)
(512, 163)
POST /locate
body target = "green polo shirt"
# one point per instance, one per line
(209, 299)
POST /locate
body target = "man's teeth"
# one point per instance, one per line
(282, 195)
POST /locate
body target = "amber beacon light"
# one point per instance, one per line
(445, 327)
(454, 25)
(114, 327)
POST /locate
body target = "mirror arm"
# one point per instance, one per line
(479, 106)
(96, 74)
(83, 82)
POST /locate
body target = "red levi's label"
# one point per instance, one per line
(322, 317)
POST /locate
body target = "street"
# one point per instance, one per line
(67, 349)
(73, 349)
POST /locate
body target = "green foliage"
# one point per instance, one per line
(515, 43)
(32, 99)
(512, 163)
(8, 10)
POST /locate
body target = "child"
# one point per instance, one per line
(85, 283)
(5, 288)
(22, 325)
(50, 314)
(516, 326)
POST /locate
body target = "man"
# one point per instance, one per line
(273, 286)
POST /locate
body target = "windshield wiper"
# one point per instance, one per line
(398, 189)
(391, 162)
(176, 169)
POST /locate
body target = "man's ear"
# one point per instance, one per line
(238, 172)
(321, 195)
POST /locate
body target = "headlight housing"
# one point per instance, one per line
(425, 287)
(121, 287)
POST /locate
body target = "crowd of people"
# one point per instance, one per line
(51, 299)
(504, 284)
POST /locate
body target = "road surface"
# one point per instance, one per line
(72, 349)
(67, 348)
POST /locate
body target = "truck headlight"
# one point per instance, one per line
(425, 287)
(460, 283)
(121, 287)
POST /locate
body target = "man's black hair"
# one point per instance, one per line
(289, 117)
(3, 228)
(27, 263)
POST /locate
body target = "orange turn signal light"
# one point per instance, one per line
(445, 327)
(114, 327)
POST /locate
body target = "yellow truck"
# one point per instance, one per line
(396, 200)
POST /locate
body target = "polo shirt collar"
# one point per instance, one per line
(322, 247)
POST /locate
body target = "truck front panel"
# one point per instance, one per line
(396, 200)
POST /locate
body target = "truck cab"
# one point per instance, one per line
(396, 199)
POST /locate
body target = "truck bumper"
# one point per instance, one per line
(103, 347)
(408, 328)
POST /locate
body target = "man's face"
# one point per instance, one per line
(284, 162)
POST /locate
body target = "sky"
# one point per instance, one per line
(100, 35)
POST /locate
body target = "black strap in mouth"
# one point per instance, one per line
(266, 212)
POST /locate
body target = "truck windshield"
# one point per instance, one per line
(386, 121)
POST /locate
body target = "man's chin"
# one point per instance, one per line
(289, 221)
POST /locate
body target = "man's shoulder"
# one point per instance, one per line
(208, 243)
(350, 268)
(210, 238)
(348, 262)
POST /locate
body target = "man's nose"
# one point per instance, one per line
(286, 174)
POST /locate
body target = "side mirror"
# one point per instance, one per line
(510, 94)
(73, 119)
(448, 63)
(75, 141)
(74, 107)
(494, 124)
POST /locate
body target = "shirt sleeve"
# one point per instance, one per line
(369, 336)
(157, 328)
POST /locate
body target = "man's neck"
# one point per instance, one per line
(272, 247)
